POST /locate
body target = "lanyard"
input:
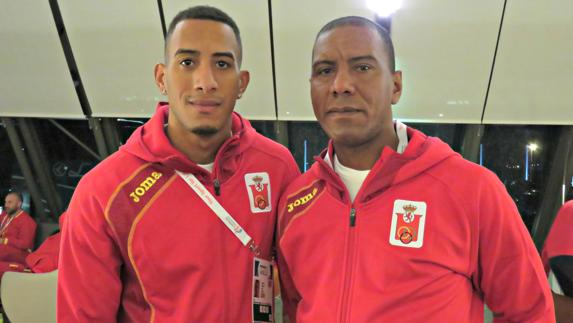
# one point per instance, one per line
(221, 213)
(4, 225)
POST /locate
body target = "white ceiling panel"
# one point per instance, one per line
(444, 48)
(35, 79)
(533, 78)
(252, 17)
(116, 45)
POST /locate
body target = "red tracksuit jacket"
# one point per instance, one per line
(20, 234)
(559, 242)
(138, 245)
(429, 238)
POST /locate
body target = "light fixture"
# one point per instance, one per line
(532, 147)
(384, 8)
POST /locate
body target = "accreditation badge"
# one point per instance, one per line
(408, 224)
(263, 296)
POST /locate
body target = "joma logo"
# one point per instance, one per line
(144, 186)
(303, 200)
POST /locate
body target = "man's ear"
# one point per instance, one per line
(160, 78)
(397, 91)
(244, 78)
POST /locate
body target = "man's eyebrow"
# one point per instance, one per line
(224, 54)
(361, 58)
(323, 62)
(186, 51)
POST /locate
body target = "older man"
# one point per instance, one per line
(392, 225)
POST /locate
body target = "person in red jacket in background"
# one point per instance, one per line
(178, 225)
(17, 230)
(45, 258)
(557, 258)
(392, 225)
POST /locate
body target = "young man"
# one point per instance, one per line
(390, 224)
(17, 230)
(147, 236)
(557, 258)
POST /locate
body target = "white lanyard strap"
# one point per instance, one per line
(218, 209)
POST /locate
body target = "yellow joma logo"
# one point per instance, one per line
(302, 200)
(144, 186)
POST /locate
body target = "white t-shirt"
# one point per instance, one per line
(353, 178)
(207, 167)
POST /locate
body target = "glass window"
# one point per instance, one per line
(521, 156)
(67, 160)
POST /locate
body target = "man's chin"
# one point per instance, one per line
(205, 131)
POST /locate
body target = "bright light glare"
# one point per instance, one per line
(532, 147)
(384, 8)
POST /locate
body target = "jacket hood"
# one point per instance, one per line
(421, 154)
(150, 143)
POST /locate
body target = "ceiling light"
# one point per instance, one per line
(384, 8)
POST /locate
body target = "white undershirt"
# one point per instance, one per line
(354, 178)
(207, 167)
(555, 287)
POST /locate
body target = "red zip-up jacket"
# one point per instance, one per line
(559, 241)
(138, 245)
(428, 238)
(18, 237)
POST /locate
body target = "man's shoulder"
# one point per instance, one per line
(302, 182)
(265, 146)
(27, 217)
(109, 174)
(459, 171)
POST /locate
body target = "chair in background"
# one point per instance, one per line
(29, 297)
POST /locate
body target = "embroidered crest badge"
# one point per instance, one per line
(408, 224)
(259, 189)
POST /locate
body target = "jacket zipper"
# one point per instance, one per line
(348, 267)
(217, 186)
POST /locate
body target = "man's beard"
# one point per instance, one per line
(205, 131)
(11, 211)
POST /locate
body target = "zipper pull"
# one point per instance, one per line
(352, 217)
(217, 186)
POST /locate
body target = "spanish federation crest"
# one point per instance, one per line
(259, 189)
(408, 224)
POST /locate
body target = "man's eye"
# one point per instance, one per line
(186, 62)
(363, 68)
(324, 71)
(222, 64)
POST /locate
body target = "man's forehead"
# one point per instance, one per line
(347, 42)
(203, 35)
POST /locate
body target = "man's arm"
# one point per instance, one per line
(510, 273)
(89, 284)
(288, 291)
(289, 294)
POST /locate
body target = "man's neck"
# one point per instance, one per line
(364, 156)
(13, 213)
(199, 149)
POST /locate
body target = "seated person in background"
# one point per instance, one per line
(45, 258)
(557, 258)
(17, 230)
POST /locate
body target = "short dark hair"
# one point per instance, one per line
(18, 195)
(362, 22)
(205, 13)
